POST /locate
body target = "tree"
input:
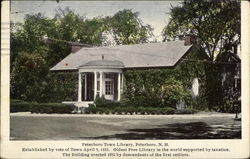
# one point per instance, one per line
(216, 25)
(28, 76)
(68, 24)
(128, 28)
(27, 37)
(91, 31)
(32, 56)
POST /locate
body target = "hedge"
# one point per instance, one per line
(22, 106)
(138, 110)
(115, 108)
(103, 106)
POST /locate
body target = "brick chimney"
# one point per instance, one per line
(75, 46)
(189, 39)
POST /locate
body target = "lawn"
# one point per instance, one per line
(76, 127)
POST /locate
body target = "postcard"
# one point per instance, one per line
(125, 79)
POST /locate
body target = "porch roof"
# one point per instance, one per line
(103, 64)
(146, 55)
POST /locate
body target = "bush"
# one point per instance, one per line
(93, 109)
(20, 106)
(101, 105)
(51, 108)
(229, 105)
(168, 110)
(185, 111)
(148, 110)
(120, 110)
(146, 100)
(104, 103)
(173, 91)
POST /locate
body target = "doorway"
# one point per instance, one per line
(108, 86)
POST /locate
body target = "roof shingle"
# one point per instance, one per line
(133, 56)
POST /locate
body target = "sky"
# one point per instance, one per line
(154, 13)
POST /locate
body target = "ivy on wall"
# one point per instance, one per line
(164, 87)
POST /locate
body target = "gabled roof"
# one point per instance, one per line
(165, 54)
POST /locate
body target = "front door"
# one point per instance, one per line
(109, 87)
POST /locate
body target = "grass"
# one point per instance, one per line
(72, 127)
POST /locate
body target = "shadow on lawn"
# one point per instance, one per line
(194, 130)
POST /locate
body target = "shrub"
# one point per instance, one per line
(95, 110)
(104, 103)
(149, 110)
(131, 110)
(51, 108)
(185, 111)
(146, 100)
(91, 109)
(20, 106)
(168, 110)
(119, 110)
(229, 105)
(173, 91)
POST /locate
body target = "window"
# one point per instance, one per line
(98, 84)
(109, 87)
(108, 75)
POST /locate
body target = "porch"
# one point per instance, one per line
(100, 78)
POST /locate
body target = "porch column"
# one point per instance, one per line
(119, 87)
(122, 76)
(79, 87)
(85, 86)
(95, 84)
(101, 84)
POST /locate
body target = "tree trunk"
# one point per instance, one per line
(213, 85)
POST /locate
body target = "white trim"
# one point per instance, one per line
(101, 80)
(119, 87)
(85, 86)
(103, 70)
(122, 80)
(79, 87)
(95, 84)
(69, 102)
(83, 104)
